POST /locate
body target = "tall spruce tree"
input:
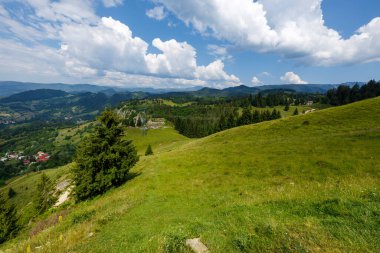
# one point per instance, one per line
(44, 197)
(295, 112)
(104, 158)
(8, 220)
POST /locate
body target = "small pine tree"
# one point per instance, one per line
(8, 220)
(149, 150)
(139, 122)
(11, 193)
(44, 197)
(286, 107)
(256, 117)
(274, 114)
(295, 112)
(279, 114)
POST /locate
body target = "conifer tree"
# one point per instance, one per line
(149, 150)
(44, 197)
(104, 158)
(245, 118)
(222, 123)
(11, 193)
(8, 220)
(256, 116)
(274, 114)
(139, 122)
(286, 107)
(279, 114)
(295, 112)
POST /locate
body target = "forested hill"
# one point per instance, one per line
(34, 95)
(243, 90)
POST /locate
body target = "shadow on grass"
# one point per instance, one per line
(132, 176)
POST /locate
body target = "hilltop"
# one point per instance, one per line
(303, 183)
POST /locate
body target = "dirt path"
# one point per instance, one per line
(66, 189)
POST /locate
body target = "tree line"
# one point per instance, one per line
(195, 127)
(345, 95)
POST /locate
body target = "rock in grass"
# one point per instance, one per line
(196, 245)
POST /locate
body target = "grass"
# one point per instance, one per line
(73, 135)
(290, 112)
(25, 186)
(308, 183)
(162, 139)
(171, 103)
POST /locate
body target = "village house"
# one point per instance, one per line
(12, 155)
(156, 123)
(309, 103)
(42, 156)
(6, 122)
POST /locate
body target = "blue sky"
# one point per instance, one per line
(171, 43)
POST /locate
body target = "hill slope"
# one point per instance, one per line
(300, 184)
(34, 95)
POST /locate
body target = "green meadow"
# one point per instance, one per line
(308, 183)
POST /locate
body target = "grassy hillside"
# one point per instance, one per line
(161, 140)
(299, 184)
(25, 187)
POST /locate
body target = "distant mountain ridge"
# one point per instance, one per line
(8, 88)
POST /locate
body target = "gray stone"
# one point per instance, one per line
(196, 245)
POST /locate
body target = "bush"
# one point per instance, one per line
(11, 193)
(149, 150)
(103, 159)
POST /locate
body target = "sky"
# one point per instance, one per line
(188, 43)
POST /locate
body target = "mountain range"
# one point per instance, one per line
(8, 88)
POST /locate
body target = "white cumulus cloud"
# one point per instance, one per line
(215, 71)
(256, 81)
(93, 48)
(294, 28)
(292, 78)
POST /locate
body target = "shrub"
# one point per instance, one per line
(11, 193)
(149, 150)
